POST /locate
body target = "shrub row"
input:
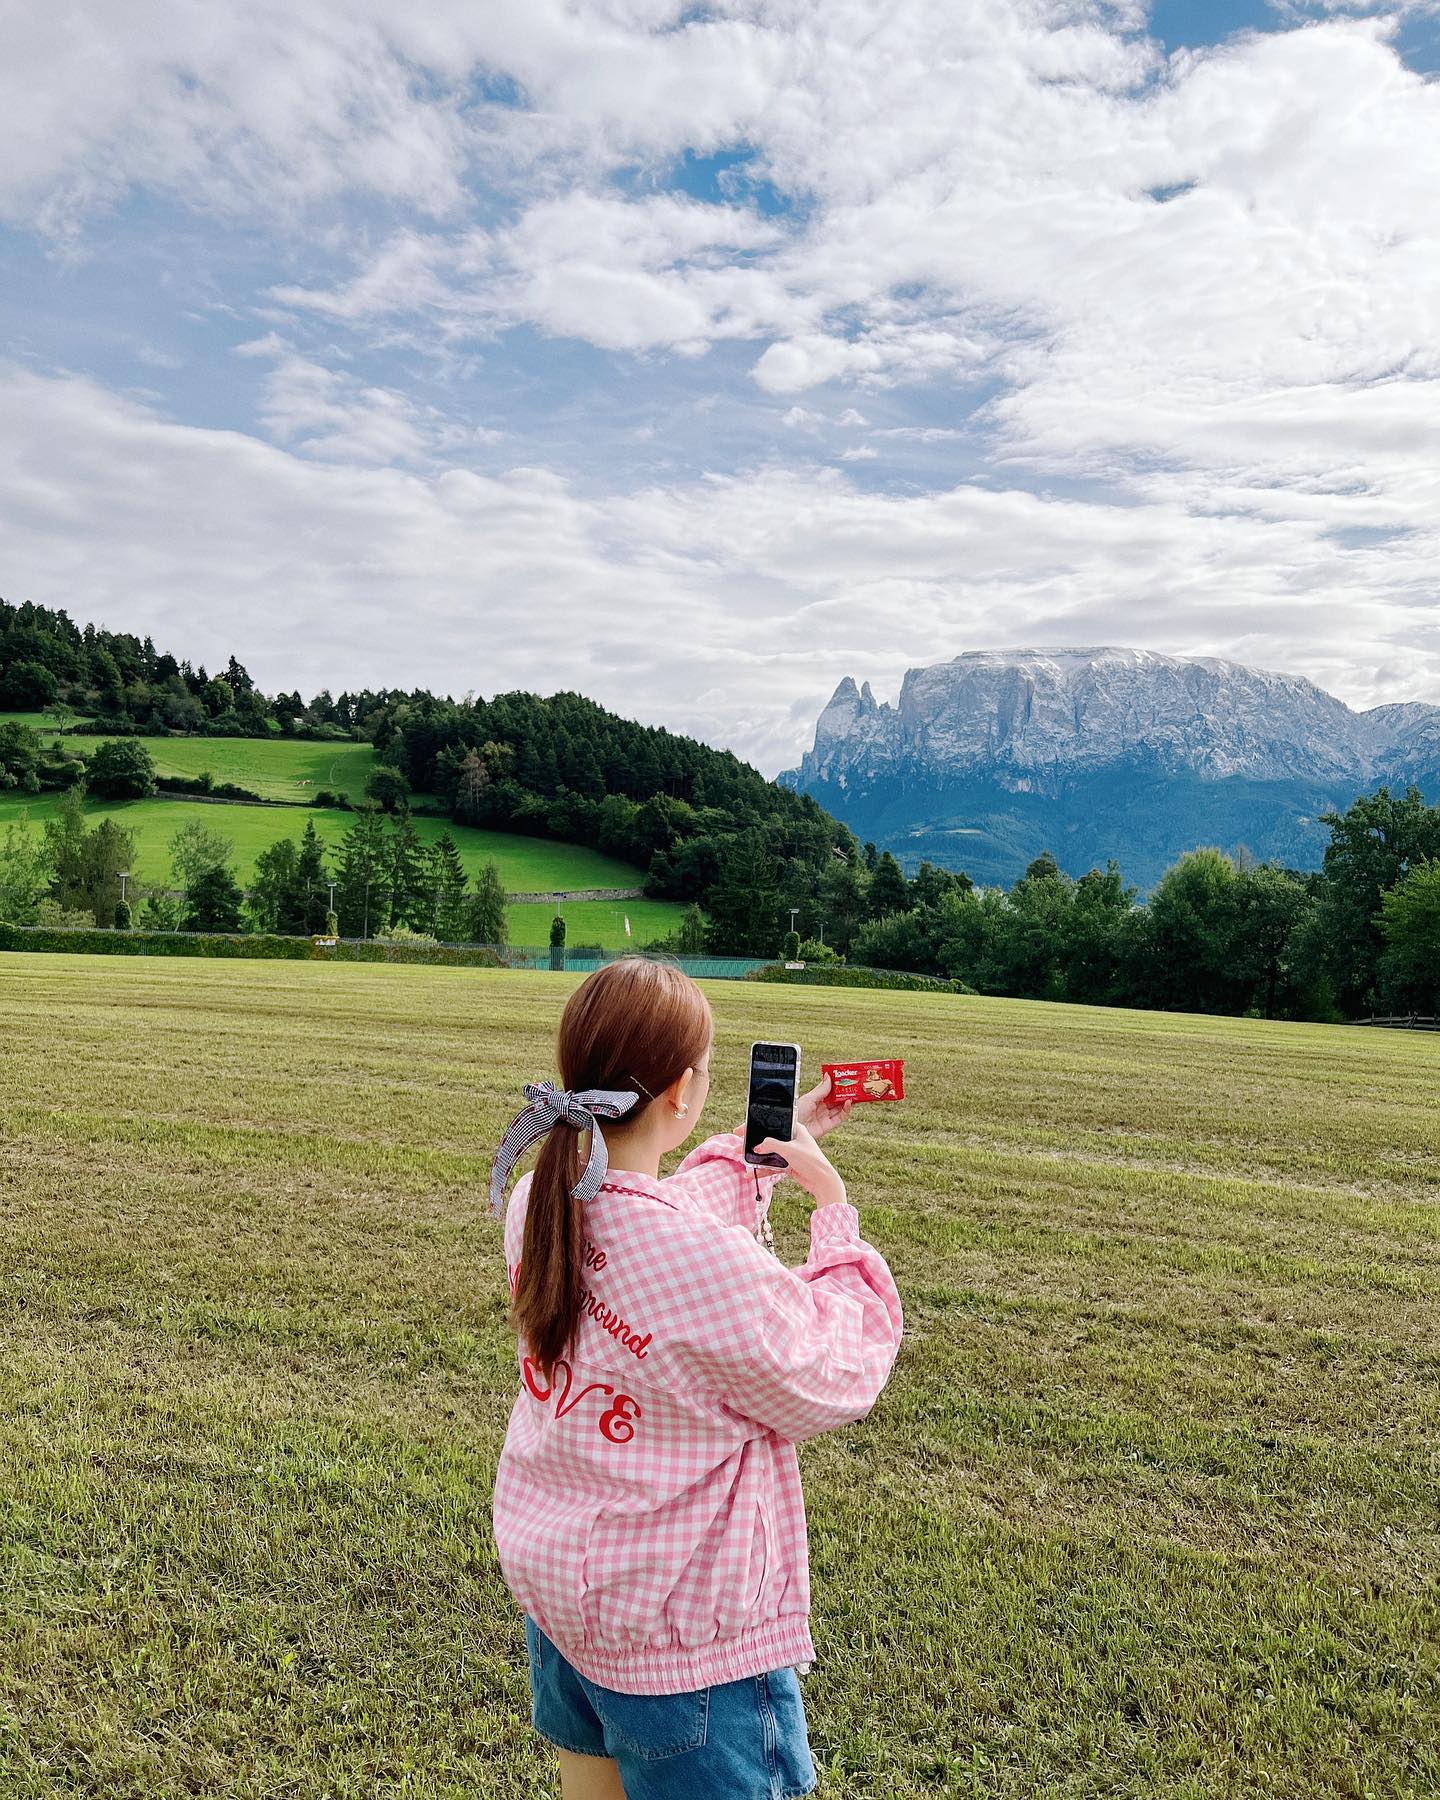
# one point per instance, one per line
(260, 945)
(842, 975)
(203, 784)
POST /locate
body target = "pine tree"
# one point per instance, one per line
(889, 890)
(487, 908)
(448, 880)
(843, 904)
(213, 903)
(362, 892)
(276, 903)
(408, 890)
(745, 901)
(312, 882)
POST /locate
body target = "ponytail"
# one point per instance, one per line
(547, 1297)
(635, 1024)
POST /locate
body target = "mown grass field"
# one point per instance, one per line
(1149, 1507)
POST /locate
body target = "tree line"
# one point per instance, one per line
(566, 768)
(125, 686)
(1218, 933)
(560, 767)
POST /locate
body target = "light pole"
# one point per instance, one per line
(124, 877)
(365, 928)
(793, 911)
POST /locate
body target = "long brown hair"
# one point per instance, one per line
(634, 1024)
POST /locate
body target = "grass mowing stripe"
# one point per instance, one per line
(1147, 1509)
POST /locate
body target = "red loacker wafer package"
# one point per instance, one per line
(882, 1079)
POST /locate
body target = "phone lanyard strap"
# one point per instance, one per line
(762, 1225)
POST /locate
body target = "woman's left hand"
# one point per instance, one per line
(817, 1112)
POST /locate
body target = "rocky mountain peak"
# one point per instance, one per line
(1050, 722)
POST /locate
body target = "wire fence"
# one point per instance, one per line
(538, 957)
(584, 958)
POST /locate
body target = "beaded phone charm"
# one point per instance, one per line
(762, 1227)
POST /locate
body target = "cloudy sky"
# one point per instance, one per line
(695, 356)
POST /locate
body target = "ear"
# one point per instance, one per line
(678, 1091)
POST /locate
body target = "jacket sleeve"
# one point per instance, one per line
(718, 1181)
(829, 1337)
(515, 1229)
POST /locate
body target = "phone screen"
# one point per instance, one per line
(770, 1110)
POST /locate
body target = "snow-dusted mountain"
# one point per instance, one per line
(989, 758)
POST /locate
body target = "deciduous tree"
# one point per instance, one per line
(1410, 924)
(195, 851)
(121, 769)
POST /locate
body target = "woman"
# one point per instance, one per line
(648, 1512)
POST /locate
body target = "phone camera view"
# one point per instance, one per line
(771, 1108)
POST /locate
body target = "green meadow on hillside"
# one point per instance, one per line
(294, 770)
(275, 769)
(527, 865)
(594, 921)
(1148, 1507)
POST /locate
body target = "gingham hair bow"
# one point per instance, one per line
(547, 1105)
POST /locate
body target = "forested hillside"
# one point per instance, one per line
(702, 825)
(1215, 935)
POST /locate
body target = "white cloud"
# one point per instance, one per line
(727, 606)
(1206, 286)
(1150, 262)
(332, 414)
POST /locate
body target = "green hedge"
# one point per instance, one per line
(209, 789)
(194, 943)
(842, 975)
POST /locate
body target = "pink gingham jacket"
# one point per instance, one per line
(648, 1512)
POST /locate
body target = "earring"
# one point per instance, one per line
(680, 1111)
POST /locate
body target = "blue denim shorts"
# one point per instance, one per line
(744, 1740)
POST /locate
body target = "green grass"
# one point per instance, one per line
(594, 921)
(34, 720)
(282, 769)
(1148, 1508)
(527, 865)
(276, 771)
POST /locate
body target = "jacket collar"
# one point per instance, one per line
(644, 1187)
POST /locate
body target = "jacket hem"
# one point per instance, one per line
(677, 1670)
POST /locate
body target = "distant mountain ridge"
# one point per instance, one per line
(1104, 752)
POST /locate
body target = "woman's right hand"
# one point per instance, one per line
(808, 1163)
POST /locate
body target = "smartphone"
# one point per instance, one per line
(770, 1109)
